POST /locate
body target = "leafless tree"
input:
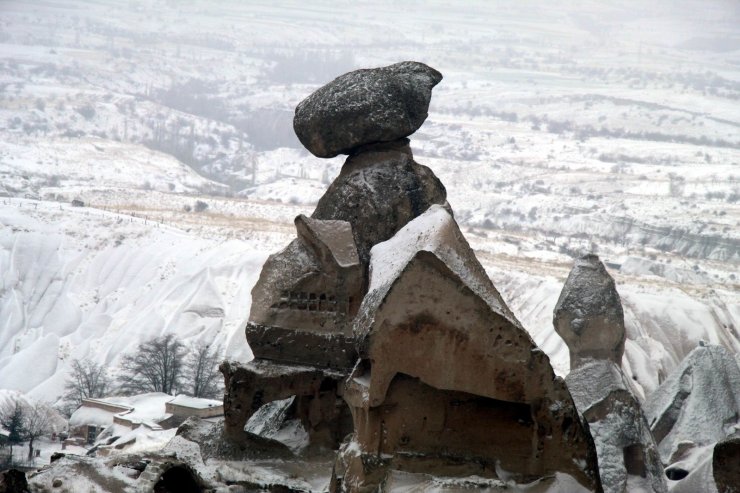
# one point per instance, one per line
(201, 372)
(37, 423)
(156, 366)
(87, 379)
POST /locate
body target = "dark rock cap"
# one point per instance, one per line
(588, 314)
(364, 107)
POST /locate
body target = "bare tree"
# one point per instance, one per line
(156, 366)
(37, 423)
(201, 372)
(87, 379)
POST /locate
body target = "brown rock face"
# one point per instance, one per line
(726, 465)
(308, 294)
(448, 382)
(306, 297)
(588, 314)
(318, 401)
(413, 340)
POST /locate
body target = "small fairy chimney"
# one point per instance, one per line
(588, 314)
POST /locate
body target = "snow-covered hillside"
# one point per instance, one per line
(80, 282)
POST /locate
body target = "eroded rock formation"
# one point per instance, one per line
(588, 314)
(300, 325)
(628, 456)
(448, 382)
(378, 191)
(306, 297)
(697, 405)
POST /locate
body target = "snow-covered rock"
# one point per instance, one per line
(698, 405)
(628, 455)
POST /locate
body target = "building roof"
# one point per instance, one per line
(194, 402)
(146, 408)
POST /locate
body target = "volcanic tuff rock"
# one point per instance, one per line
(364, 107)
(628, 455)
(306, 297)
(698, 404)
(448, 382)
(309, 293)
(588, 314)
(378, 191)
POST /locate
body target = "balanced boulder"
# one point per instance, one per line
(364, 107)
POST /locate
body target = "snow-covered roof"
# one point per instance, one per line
(86, 416)
(336, 236)
(146, 408)
(435, 231)
(194, 402)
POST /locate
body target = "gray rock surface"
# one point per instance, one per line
(588, 314)
(628, 455)
(312, 287)
(378, 192)
(364, 107)
(698, 405)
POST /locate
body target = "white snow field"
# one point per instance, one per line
(83, 283)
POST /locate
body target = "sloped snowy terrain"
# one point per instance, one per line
(84, 283)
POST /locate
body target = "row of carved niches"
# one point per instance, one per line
(312, 302)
